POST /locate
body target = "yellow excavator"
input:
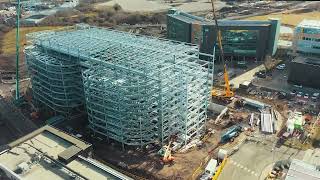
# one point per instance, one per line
(227, 93)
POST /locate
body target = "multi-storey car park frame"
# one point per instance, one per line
(137, 89)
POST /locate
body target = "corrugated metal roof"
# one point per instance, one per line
(300, 170)
(266, 122)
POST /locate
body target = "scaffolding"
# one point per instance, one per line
(137, 90)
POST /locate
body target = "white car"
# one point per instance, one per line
(281, 66)
(306, 96)
(299, 94)
(297, 86)
(315, 96)
(220, 73)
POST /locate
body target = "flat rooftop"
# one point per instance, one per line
(188, 18)
(307, 23)
(307, 60)
(37, 155)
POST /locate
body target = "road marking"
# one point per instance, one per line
(240, 166)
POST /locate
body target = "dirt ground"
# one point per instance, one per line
(148, 164)
(162, 5)
(290, 19)
(9, 42)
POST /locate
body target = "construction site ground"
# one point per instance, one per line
(148, 164)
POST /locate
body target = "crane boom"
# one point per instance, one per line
(228, 93)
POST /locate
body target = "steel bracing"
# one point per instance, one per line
(137, 89)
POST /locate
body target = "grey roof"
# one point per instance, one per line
(266, 122)
(300, 170)
(69, 153)
(188, 18)
(307, 60)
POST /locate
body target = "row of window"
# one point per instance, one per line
(311, 39)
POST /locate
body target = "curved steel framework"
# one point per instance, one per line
(137, 89)
(55, 83)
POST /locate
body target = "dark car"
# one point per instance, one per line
(261, 75)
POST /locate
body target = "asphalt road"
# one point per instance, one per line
(252, 159)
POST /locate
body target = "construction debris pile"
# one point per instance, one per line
(136, 89)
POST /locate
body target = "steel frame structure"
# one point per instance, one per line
(55, 83)
(138, 90)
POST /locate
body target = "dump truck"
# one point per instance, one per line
(231, 133)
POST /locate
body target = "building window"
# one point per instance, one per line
(306, 39)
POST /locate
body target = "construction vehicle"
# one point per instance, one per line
(166, 152)
(222, 164)
(227, 93)
(231, 133)
(209, 170)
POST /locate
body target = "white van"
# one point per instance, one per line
(210, 169)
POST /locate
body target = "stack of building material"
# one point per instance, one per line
(266, 122)
(295, 121)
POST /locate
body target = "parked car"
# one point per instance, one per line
(281, 67)
(297, 86)
(261, 75)
(299, 94)
(306, 96)
(293, 92)
(315, 96)
(220, 73)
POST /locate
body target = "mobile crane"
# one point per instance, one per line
(228, 93)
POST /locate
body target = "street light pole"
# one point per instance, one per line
(17, 48)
